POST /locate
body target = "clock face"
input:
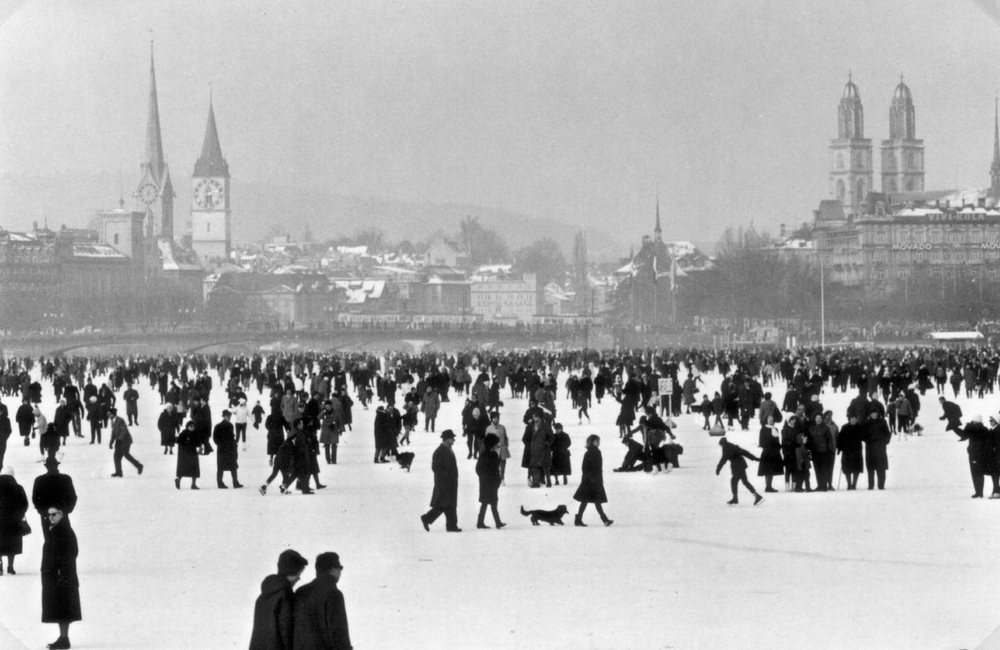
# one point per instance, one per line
(209, 194)
(148, 192)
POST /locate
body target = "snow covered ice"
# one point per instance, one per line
(915, 566)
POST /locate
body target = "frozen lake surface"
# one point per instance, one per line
(915, 566)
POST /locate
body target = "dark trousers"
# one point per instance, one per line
(3, 448)
(132, 413)
(241, 432)
(450, 517)
(978, 477)
(218, 477)
(881, 478)
(274, 472)
(740, 476)
(482, 514)
(823, 461)
(123, 452)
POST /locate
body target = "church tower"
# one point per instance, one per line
(902, 153)
(210, 208)
(852, 174)
(155, 191)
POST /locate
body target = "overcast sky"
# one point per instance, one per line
(574, 110)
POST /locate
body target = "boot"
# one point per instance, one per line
(607, 522)
(262, 489)
(733, 502)
(480, 523)
(757, 499)
(578, 521)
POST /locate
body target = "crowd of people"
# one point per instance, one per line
(306, 401)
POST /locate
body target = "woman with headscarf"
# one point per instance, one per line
(60, 584)
(13, 506)
(188, 464)
(771, 464)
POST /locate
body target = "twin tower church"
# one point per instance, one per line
(211, 221)
(853, 171)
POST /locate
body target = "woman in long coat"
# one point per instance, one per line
(849, 442)
(13, 506)
(561, 463)
(771, 464)
(591, 488)
(188, 464)
(167, 425)
(60, 584)
(877, 438)
(488, 471)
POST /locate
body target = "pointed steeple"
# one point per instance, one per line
(658, 232)
(211, 162)
(154, 161)
(995, 167)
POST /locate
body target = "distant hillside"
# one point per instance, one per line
(72, 200)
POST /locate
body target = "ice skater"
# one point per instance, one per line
(591, 488)
(121, 442)
(734, 455)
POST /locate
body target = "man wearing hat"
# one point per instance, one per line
(226, 459)
(50, 489)
(445, 496)
(320, 616)
(273, 613)
(121, 442)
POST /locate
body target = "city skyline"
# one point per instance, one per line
(581, 116)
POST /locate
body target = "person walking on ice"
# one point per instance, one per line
(734, 455)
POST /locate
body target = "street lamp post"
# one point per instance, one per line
(822, 305)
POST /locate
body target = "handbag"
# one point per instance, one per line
(24, 528)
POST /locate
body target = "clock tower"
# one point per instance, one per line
(210, 208)
(155, 192)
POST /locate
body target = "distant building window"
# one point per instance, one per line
(116, 239)
(208, 227)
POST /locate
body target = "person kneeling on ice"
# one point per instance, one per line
(734, 454)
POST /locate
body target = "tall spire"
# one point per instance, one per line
(995, 167)
(211, 162)
(658, 232)
(154, 144)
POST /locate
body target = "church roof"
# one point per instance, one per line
(902, 92)
(154, 160)
(851, 90)
(211, 161)
(830, 210)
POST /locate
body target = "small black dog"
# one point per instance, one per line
(405, 459)
(550, 517)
